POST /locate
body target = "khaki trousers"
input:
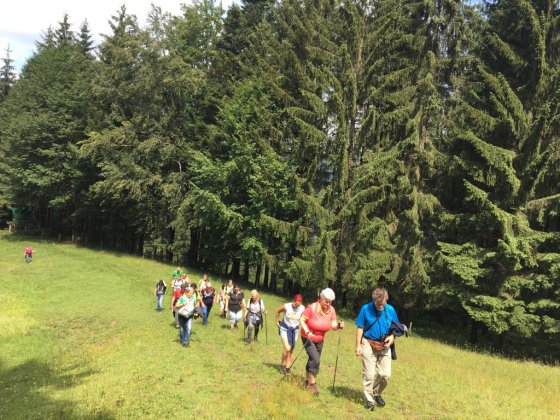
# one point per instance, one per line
(376, 370)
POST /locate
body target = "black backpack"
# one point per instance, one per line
(160, 288)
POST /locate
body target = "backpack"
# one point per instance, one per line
(160, 288)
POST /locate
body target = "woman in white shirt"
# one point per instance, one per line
(289, 329)
(254, 315)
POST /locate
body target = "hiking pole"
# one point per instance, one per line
(336, 363)
(265, 328)
(291, 364)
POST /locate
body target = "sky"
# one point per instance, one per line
(23, 21)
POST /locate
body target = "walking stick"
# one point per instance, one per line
(302, 347)
(289, 367)
(336, 363)
(265, 328)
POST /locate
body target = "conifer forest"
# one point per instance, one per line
(300, 144)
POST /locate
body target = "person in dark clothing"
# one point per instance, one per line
(235, 306)
(161, 287)
(208, 299)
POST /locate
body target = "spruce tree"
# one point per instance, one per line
(85, 40)
(44, 119)
(64, 33)
(7, 74)
(48, 39)
(501, 262)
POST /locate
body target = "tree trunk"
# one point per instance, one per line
(170, 239)
(273, 282)
(474, 332)
(258, 274)
(288, 287)
(226, 272)
(235, 268)
(193, 248)
(246, 271)
(499, 342)
(265, 279)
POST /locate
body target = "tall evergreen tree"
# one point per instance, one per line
(7, 74)
(64, 33)
(48, 39)
(44, 119)
(85, 40)
(500, 262)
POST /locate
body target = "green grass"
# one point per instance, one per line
(80, 338)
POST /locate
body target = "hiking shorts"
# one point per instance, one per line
(235, 317)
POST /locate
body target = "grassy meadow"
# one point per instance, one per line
(80, 338)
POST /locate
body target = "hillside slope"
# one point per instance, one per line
(80, 338)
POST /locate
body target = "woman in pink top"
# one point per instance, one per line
(316, 320)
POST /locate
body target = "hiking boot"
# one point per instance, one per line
(314, 389)
(379, 401)
(369, 405)
(282, 369)
(288, 371)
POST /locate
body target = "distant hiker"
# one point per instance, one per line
(28, 253)
(229, 287)
(198, 311)
(177, 273)
(185, 311)
(177, 293)
(178, 282)
(254, 315)
(208, 299)
(234, 306)
(373, 342)
(227, 290)
(203, 282)
(317, 319)
(289, 329)
(161, 287)
(222, 301)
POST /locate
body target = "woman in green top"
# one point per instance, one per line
(185, 308)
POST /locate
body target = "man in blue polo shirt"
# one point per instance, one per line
(373, 343)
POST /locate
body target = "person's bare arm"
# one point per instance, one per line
(359, 334)
(277, 314)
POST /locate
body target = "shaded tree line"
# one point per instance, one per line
(306, 143)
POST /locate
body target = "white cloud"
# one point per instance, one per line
(22, 22)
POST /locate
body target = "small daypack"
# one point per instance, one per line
(160, 288)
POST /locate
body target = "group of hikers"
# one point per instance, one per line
(377, 325)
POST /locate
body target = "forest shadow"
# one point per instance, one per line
(24, 393)
(544, 350)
